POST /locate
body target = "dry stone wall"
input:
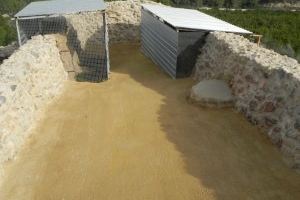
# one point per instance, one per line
(124, 19)
(87, 28)
(266, 86)
(29, 80)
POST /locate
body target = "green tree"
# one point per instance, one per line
(166, 2)
(2, 36)
(228, 3)
(198, 3)
(237, 3)
(220, 3)
(279, 28)
(250, 3)
(7, 32)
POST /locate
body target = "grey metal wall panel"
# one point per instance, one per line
(189, 43)
(159, 42)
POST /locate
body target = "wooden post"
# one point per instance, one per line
(258, 38)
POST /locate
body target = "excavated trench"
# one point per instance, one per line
(136, 137)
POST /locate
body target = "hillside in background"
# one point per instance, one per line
(228, 3)
(7, 31)
(280, 29)
(11, 6)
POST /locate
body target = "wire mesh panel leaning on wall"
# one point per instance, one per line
(82, 34)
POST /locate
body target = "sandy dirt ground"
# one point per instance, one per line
(135, 137)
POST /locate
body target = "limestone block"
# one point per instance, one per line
(29, 79)
(212, 93)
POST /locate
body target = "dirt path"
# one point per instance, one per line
(135, 138)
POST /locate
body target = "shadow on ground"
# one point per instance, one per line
(227, 154)
(91, 57)
(135, 137)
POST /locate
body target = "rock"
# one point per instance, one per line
(212, 93)
(6, 51)
(252, 105)
(13, 87)
(276, 137)
(297, 124)
(270, 121)
(269, 107)
(2, 100)
(124, 19)
(88, 28)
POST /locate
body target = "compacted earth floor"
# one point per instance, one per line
(135, 137)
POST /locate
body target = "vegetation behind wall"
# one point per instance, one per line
(12, 6)
(7, 31)
(280, 29)
(224, 3)
(7, 9)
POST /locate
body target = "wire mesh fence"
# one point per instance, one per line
(83, 50)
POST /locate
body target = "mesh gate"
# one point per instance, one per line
(83, 41)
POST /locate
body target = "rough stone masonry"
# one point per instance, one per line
(266, 86)
(124, 19)
(29, 79)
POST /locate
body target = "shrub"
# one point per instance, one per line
(7, 31)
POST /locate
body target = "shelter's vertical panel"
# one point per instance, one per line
(18, 32)
(159, 42)
(107, 63)
(189, 43)
(27, 28)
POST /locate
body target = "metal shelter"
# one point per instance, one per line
(82, 22)
(171, 37)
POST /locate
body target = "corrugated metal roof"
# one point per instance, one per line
(60, 7)
(181, 18)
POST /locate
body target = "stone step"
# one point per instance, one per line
(67, 61)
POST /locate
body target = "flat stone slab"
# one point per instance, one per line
(212, 93)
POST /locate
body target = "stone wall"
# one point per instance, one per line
(87, 28)
(124, 19)
(266, 86)
(29, 80)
